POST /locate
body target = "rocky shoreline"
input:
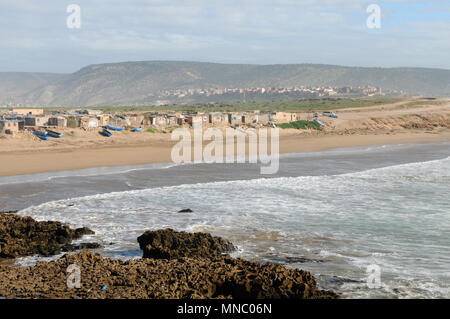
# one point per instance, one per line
(23, 236)
(174, 265)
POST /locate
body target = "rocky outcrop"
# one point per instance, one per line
(169, 244)
(186, 210)
(72, 247)
(222, 277)
(175, 265)
(23, 236)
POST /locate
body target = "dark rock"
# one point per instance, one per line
(169, 244)
(211, 274)
(294, 259)
(23, 236)
(194, 278)
(335, 280)
(80, 232)
(188, 210)
(251, 280)
(176, 265)
(90, 246)
(72, 247)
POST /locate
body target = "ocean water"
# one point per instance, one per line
(335, 214)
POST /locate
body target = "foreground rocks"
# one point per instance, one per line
(23, 236)
(169, 244)
(177, 265)
(222, 277)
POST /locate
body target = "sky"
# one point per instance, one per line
(35, 37)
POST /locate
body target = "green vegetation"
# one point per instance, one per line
(301, 125)
(420, 103)
(170, 129)
(311, 105)
(297, 105)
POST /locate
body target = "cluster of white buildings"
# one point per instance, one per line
(316, 91)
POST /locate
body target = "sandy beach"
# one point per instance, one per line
(23, 162)
(395, 194)
(397, 123)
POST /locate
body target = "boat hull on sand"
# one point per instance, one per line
(105, 133)
(113, 128)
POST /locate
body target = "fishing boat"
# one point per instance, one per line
(318, 122)
(113, 128)
(137, 129)
(41, 135)
(106, 133)
(54, 134)
(45, 138)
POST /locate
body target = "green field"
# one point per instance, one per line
(301, 125)
(298, 105)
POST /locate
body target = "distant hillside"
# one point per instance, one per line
(16, 84)
(132, 82)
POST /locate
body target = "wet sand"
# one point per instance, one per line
(39, 161)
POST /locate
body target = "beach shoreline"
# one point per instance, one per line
(397, 123)
(17, 162)
(135, 203)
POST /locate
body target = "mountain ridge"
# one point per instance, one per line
(135, 82)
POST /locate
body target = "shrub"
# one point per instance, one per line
(301, 125)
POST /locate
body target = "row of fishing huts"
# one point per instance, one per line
(93, 119)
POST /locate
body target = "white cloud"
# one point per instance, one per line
(259, 31)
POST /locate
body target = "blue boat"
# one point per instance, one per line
(41, 135)
(112, 128)
(106, 133)
(54, 134)
(318, 122)
(38, 133)
(137, 129)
